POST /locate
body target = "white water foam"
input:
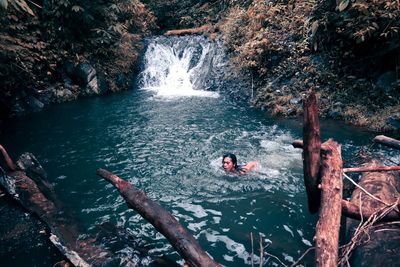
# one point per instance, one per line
(182, 68)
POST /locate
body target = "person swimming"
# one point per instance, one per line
(229, 163)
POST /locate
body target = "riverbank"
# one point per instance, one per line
(281, 49)
(290, 48)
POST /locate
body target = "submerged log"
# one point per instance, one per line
(327, 230)
(65, 233)
(188, 31)
(387, 141)
(184, 243)
(380, 247)
(311, 152)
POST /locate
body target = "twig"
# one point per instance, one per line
(384, 230)
(276, 258)
(36, 5)
(261, 251)
(302, 256)
(362, 231)
(365, 191)
(252, 249)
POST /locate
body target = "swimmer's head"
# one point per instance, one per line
(229, 162)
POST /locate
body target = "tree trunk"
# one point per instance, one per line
(327, 230)
(311, 152)
(185, 244)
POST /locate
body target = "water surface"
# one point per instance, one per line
(171, 147)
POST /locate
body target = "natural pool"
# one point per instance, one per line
(171, 146)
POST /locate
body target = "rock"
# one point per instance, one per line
(121, 80)
(394, 120)
(84, 73)
(385, 81)
(34, 104)
(92, 88)
(103, 84)
(335, 114)
(63, 95)
(69, 68)
(91, 82)
(46, 96)
(295, 101)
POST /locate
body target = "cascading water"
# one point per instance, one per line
(182, 66)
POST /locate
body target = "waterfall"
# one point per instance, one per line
(182, 66)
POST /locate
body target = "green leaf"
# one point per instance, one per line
(77, 9)
(314, 28)
(343, 5)
(4, 4)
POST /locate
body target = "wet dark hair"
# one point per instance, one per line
(231, 156)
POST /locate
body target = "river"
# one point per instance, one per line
(167, 137)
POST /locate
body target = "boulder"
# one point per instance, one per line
(394, 120)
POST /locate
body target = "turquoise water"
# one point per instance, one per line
(168, 139)
(171, 148)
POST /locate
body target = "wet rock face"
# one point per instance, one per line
(86, 77)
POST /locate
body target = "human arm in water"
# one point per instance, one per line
(249, 167)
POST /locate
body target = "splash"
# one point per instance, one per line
(182, 66)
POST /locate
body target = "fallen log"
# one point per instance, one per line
(377, 245)
(65, 232)
(353, 211)
(327, 229)
(184, 243)
(311, 152)
(201, 29)
(387, 141)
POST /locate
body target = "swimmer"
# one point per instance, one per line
(229, 163)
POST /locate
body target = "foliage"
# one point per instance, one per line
(19, 5)
(254, 35)
(367, 31)
(33, 49)
(189, 13)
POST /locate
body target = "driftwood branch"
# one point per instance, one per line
(327, 230)
(311, 152)
(352, 211)
(372, 169)
(185, 244)
(188, 31)
(387, 141)
(9, 161)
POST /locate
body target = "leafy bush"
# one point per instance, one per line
(363, 36)
(265, 33)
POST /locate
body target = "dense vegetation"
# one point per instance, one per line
(40, 40)
(348, 51)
